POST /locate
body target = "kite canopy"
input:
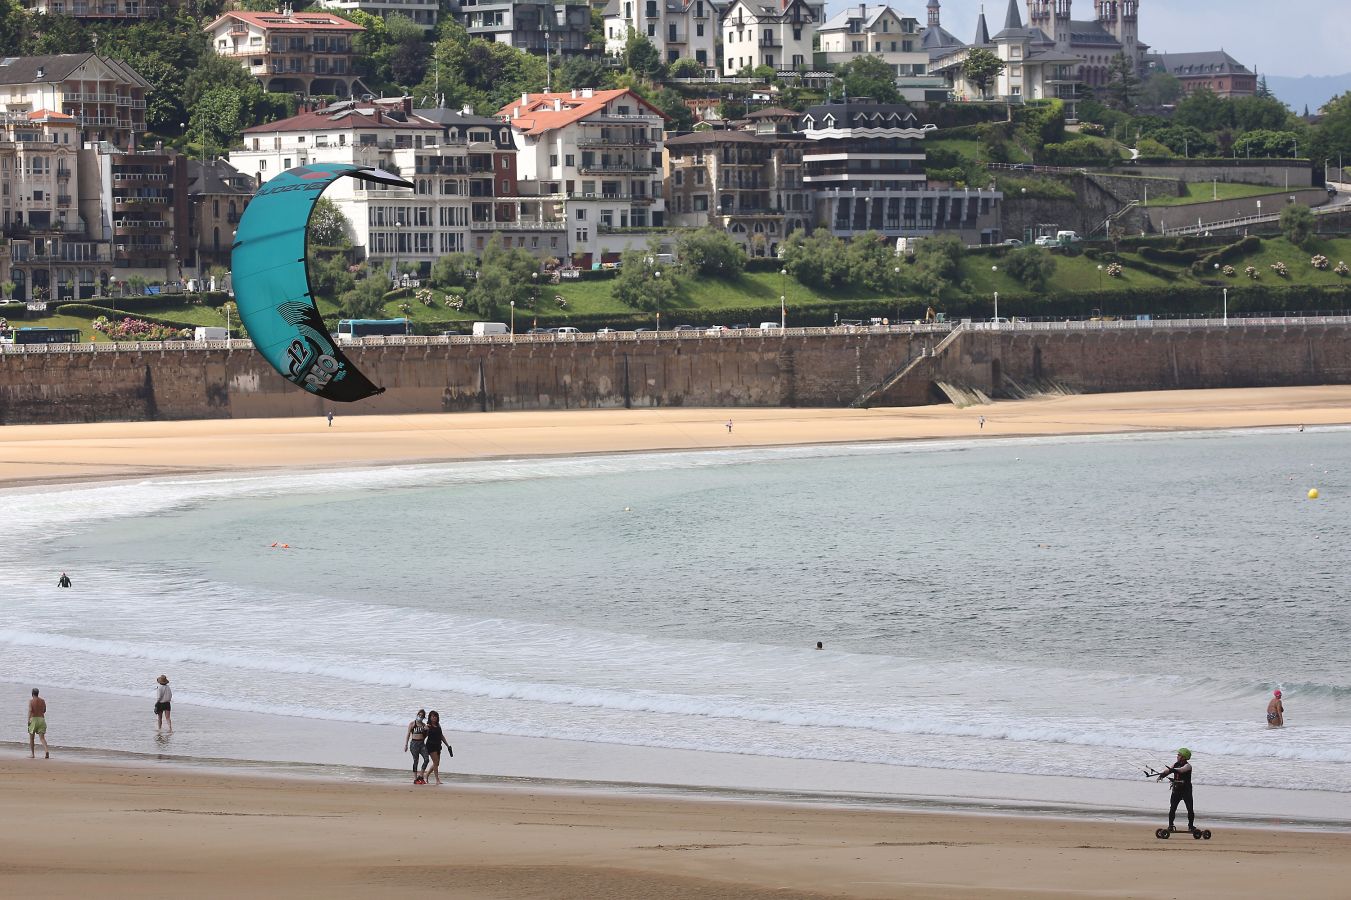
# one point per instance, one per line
(270, 274)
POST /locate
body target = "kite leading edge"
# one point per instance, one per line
(270, 274)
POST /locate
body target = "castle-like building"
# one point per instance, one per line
(1113, 30)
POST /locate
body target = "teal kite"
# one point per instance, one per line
(272, 281)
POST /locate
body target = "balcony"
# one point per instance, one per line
(136, 177)
(91, 98)
(96, 121)
(62, 172)
(517, 226)
(63, 199)
(770, 42)
(136, 202)
(617, 142)
(617, 169)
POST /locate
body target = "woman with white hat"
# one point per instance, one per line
(163, 695)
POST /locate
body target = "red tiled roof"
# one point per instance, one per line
(302, 21)
(537, 114)
(323, 120)
(54, 118)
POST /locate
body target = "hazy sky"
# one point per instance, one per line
(1278, 37)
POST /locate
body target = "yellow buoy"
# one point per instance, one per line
(1313, 493)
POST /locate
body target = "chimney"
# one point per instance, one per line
(558, 104)
(574, 93)
(588, 93)
(379, 116)
(407, 106)
(468, 110)
(525, 99)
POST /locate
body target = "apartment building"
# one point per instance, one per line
(458, 164)
(138, 201)
(48, 240)
(873, 30)
(747, 180)
(778, 34)
(679, 29)
(864, 164)
(536, 26)
(592, 159)
(217, 195)
(99, 10)
(289, 52)
(104, 96)
(423, 12)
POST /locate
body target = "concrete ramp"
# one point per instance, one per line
(961, 395)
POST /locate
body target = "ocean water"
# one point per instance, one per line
(1068, 607)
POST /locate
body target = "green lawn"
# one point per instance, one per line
(1201, 192)
(1072, 273)
(968, 148)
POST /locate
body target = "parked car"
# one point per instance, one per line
(450, 332)
(567, 331)
(537, 331)
(715, 329)
(770, 326)
(929, 127)
(684, 328)
(606, 331)
(1013, 242)
(738, 327)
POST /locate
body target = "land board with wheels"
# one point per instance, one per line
(1198, 833)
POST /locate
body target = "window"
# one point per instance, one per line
(698, 176)
(699, 29)
(679, 177)
(569, 160)
(286, 163)
(583, 235)
(553, 160)
(581, 215)
(700, 203)
(856, 46)
(506, 164)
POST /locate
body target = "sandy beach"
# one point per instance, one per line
(77, 830)
(64, 453)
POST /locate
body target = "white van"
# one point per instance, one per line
(483, 329)
(566, 332)
(210, 333)
(770, 326)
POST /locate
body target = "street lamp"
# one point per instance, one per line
(896, 318)
(1099, 276)
(394, 265)
(1259, 209)
(995, 269)
(1226, 306)
(534, 290)
(657, 274)
(513, 321)
(783, 299)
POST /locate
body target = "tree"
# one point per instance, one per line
(981, 68)
(871, 262)
(641, 58)
(817, 260)
(1152, 149)
(938, 262)
(1203, 110)
(328, 274)
(583, 72)
(453, 270)
(483, 74)
(643, 282)
(1298, 225)
(869, 76)
(1122, 83)
(366, 299)
(328, 227)
(685, 67)
(711, 252)
(1159, 89)
(1261, 114)
(504, 275)
(1279, 144)
(1031, 266)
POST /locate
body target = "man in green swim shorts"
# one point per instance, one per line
(37, 725)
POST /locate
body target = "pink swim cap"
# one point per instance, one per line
(1278, 693)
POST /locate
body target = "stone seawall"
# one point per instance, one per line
(799, 369)
(188, 382)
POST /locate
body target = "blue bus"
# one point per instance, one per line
(41, 336)
(355, 329)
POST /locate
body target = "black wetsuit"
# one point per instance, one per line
(64, 581)
(1182, 793)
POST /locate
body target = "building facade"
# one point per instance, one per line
(864, 164)
(217, 196)
(138, 201)
(747, 181)
(307, 53)
(423, 12)
(99, 10)
(591, 159)
(873, 30)
(679, 29)
(1034, 69)
(105, 97)
(1214, 71)
(778, 34)
(536, 26)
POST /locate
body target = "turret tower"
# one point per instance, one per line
(935, 14)
(1053, 18)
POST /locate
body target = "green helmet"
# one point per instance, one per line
(1184, 753)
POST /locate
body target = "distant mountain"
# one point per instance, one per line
(1309, 90)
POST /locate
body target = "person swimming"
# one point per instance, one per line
(1276, 711)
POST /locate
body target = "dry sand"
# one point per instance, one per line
(30, 453)
(73, 830)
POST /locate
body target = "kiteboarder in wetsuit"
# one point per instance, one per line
(63, 581)
(1181, 771)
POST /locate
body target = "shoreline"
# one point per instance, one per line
(230, 835)
(35, 455)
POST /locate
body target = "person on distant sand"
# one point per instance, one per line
(330, 418)
(435, 738)
(414, 739)
(163, 695)
(729, 426)
(37, 726)
(1276, 711)
(982, 422)
(63, 581)
(1182, 788)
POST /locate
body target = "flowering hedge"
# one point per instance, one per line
(129, 329)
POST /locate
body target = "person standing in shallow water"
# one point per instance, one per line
(163, 695)
(63, 581)
(1276, 711)
(37, 726)
(433, 741)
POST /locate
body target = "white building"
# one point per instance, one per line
(679, 29)
(306, 52)
(874, 30)
(593, 159)
(779, 34)
(1034, 67)
(391, 224)
(106, 97)
(423, 12)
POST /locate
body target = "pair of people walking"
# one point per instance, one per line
(425, 739)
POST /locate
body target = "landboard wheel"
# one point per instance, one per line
(1206, 834)
(1196, 835)
(1161, 834)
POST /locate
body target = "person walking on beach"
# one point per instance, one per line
(37, 726)
(63, 581)
(982, 422)
(729, 426)
(1181, 772)
(330, 418)
(434, 739)
(163, 695)
(1276, 711)
(415, 739)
